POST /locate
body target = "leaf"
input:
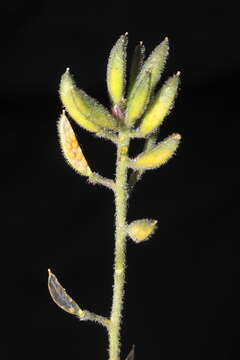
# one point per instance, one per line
(139, 99)
(131, 354)
(136, 65)
(141, 230)
(60, 297)
(155, 64)
(160, 107)
(85, 110)
(70, 147)
(116, 70)
(157, 156)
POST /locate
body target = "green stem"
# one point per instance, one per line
(120, 246)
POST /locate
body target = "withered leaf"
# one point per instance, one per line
(131, 353)
(60, 297)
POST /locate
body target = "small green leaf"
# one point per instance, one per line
(136, 65)
(139, 99)
(85, 110)
(60, 297)
(157, 156)
(116, 70)
(160, 107)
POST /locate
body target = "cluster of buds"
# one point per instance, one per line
(140, 111)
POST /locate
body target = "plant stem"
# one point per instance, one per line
(87, 315)
(95, 178)
(120, 245)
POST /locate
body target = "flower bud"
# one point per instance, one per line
(70, 147)
(161, 106)
(155, 64)
(116, 70)
(158, 155)
(60, 297)
(85, 110)
(118, 112)
(141, 230)
(138, 100)
(136, 65)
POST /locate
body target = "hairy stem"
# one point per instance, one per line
(95, 178)
(87, 315)
(120, 246)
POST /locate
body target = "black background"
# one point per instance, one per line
(182, 291)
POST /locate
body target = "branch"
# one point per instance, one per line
(95, 178)
(107, 135)
(85, 315)
(66, 303)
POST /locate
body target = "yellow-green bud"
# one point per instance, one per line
(85, 110)
(136, 65)
(141, 230)
(116, 70)
(161, 106)
(60, 297)
(138, 100)
(155, 64)
(158, 155)
(67, 94)
(70, 147)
